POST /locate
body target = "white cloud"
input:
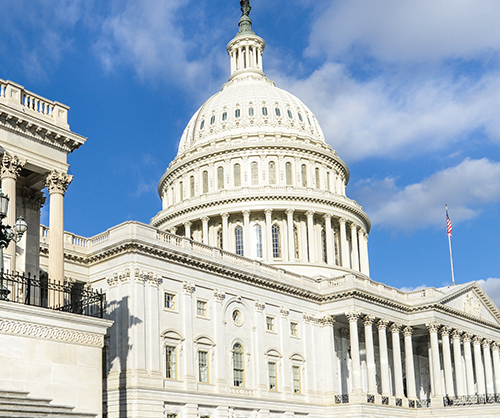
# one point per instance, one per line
(466, 188)
(492, 288)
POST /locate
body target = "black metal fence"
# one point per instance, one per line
(71, 297)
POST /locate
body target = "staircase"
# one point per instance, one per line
(19, 405)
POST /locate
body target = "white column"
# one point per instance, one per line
(496, 366)
(398, 364)
(291, 235)
(247, 250)
(436, 363)
(363, 252)
(310, 233)
(490, 390)
(285, 240)
(370, 354)
(448, 371)
(354, 339)
(344, 248)
(187, 229)
(384, 356)
(186, 307)
(354, 249)
(269, 235)
(204, 222)
(478, 366)
(225, 232)
(261, 381)
(328, 324)
(469, 369)
(330, 258)
(58, 184)
(459, 367)
(410, 368)
(220, 349)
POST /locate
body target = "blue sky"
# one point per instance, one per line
(406, 92)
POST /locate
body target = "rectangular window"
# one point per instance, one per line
(201, 308)
(191, 186)
(171, 362)
(269, 323)
(203, 366)
(296, 379)
(220, 178)
(169, 301)
(171, 415)
(294, 329)
(273, 384)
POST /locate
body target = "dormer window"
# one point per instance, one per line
(212, 120)
(224, 116)
(250, 111)
(237, 113)
(289, 112)
(278, 112)
(264, 111)
(202, 124)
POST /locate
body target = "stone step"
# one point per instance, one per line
(24, 400)
(9, 393)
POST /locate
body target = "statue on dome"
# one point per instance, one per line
(245, 7)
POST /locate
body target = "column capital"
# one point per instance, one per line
(290, 211)
(188, 288)
(433, 327)
(352, 316)
(188, 224)
(456, 334)
(205, 219)
(219, 295)
(327, 321)
(327, 216)
(354, 226)
(445, 330)
(467, 337)
(369, 319)
(11, 166)
(477, 340)
(408, 331)
(58, 182)
(246, 213)
(284, 311)
(495, 346)
(487, 343)
(396, 328)
(260, 305)
(224, 215)
(310, 213)
(268, 212)
(382, 324)
(342, 221)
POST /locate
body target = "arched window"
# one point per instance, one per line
(275, 231)
(272, 172)
(257, 241)
(250, 111)
(296, 241)
(181, 191)
(205, 181)
(237, 175)
(219, 239)
(318, 183)
(220, 178)
(224, 116)
(238, 365)
(303, 171)
(238, 240)
(237, 113)
(289, 112)
(254, 168)
(288, 171)
(278, 112)
(264, 111)
(191, 186)
(323, 245)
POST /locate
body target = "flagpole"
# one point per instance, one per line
(451, 254)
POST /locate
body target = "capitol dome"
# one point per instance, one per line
(255, 177)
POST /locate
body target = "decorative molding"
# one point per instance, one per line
(51, 333)
(58, 182)
(433, 327)
(115, 277)
(284, 311)
(188, 288)
(147, 277)
(327, 321)
(219, 295)
(11, 166)
(368, 320)
(353, 316)
(33, 199)
(487, 343)
(472, 305)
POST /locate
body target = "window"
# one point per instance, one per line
(296, 241)
(294, 329)
(237, 318)
(273, 381)
(289, 112)
(169, 301)
(269, 323)
(278, 112)
(171, 362)
(191, 186)
(275, 232)
(288, 173)
(203, 366)
(220, 178)
(272, 172)
(224, 116)
(296, 379)
(300, 117)
(237, 113)
(250, 111)
(264, 111)
(181, 191)
(309, 120)
(303, 171)
(323, 245)
(172, 415)
(205, 181)
(254, 171)
(238, 365)
(238, 239)
(219, 239)
(318, 183)
(328, 180)
(257, 236)
(201, 308)
(202, 124)
(237, 175)
(212, 120)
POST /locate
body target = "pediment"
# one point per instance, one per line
(472, 301)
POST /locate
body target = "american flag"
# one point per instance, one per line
(448, 224)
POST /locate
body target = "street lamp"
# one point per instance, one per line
(8, 234)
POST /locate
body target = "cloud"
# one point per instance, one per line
(466, 188)
(492, 288)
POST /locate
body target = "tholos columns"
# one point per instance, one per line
(448, 371)
(329, 239)
(354, 249)
(11, 168)
(291, 235)
(344, 247)
(370, 354)
(356, 364)
(478, 366)
(436, 364)
(225, 232)
(469, 369)
(459, 371)
(204, 227)
(384, 356)
(246, 235)
(363, 252)
(410, 368)
(269, 235)
(398, 365)
(310, 233)
(187, 229)
(57, 184)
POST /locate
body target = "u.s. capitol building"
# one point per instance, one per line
(249, 294)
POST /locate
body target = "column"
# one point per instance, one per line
(269, 235)
(187, 229)
(363, 252)
(496, 366)
(225, 232)
(398, 365)
(448, 371)
(310, 236)
(354, 249)
(57, 184)
(285, 240)
(459, 367)
(247, 248)
(370, 354)
(11, 168)
(220, 349)
(354, 339)
(330, 259)
(384, 356)
(410, 368)
(344, 248)
(261, 379)
(469, 369)
(186, 307)
(478, 366)
(436, 364)
(490, 390)
(291, 235)
(328, 324)
(204, 222)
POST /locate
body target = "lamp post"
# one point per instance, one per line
(8, 234)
